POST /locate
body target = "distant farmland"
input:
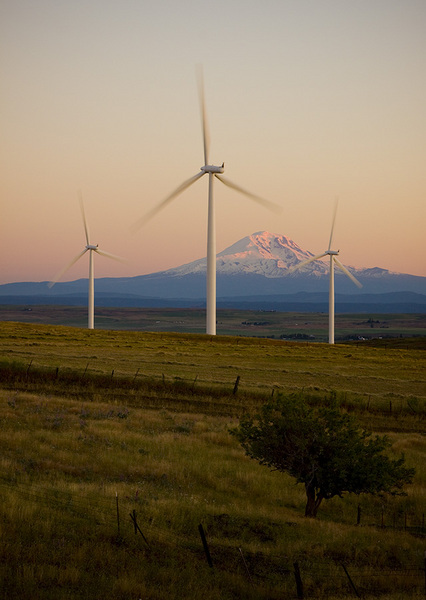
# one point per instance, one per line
(250, 323)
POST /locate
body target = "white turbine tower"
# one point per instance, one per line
(213, 172)
(333, 259)
(90, 248)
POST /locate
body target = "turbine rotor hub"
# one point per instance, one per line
(213, 169)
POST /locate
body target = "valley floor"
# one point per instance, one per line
(279, 325)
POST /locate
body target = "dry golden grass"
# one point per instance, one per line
(67, 446)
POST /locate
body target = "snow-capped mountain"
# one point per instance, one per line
(262, 253)
(259, 265)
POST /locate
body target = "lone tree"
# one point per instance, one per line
(322, 448)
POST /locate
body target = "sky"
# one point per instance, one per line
(307, 101)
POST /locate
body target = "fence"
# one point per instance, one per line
(306, 577)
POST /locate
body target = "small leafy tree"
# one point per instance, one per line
(322, 448)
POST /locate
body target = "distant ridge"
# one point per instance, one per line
(394, 302)
(255, 269)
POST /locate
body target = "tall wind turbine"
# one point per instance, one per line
(213, 172)
(90, 248)
(333, 260)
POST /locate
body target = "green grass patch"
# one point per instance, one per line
(86, 415)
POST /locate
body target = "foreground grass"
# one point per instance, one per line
(64, 461)
(73, 439)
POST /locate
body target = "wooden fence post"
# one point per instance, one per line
(350, 581)
(136, 526)
(237, 381)
(29, 366)
(205, 545)
(133, 517)
(118, 514)
(245, 565)
(299, 584)
(425, 572)
(358, 517)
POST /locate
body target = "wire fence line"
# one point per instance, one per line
(88, 505)
(113, 514)
(146, 386)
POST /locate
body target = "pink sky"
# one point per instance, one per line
(306, 101)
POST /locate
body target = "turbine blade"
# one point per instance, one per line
(150, 214)
(306, 262)
(271, 205)
(108, 255)
(332, 224)
(65, 269)
(86, 229)
(206, 138)
(346, 272)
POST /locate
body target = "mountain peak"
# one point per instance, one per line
(272, 245)
(262, 253)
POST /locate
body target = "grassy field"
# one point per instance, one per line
(95, 420)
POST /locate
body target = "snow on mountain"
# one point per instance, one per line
(262, 253)
(260, 263)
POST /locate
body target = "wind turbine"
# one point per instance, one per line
(90, 248)
(333, 260)
(213, 172)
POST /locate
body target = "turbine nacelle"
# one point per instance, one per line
(213, 169)
(92, 246)
(333, 252)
